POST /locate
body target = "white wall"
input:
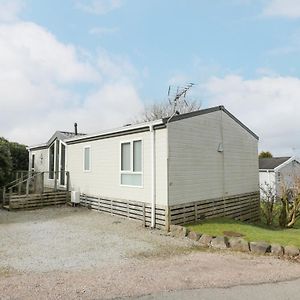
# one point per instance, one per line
(287, 175)
(267, 181)
(104, 177)
(197, 171)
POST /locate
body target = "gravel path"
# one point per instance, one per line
(72, 253)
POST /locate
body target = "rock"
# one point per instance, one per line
(178, 231)
(219, 242)
(277, 249)
(239, 244)
(205, 240)
(194, 235)
(259, 247)
(291, 251)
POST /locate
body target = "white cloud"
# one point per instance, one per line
(10, 10)
(46, 85)
(98, 7)
(268, 105)
(282, 8)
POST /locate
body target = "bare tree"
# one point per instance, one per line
(269, 204)
(166, 109)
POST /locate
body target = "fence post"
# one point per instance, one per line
(167, 218)
(68, 186)
(144, 215)
(10, 194)
(42, 182)
(27, 186)
(55, 181)
(20, 184)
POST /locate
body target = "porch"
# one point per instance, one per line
(32, 190)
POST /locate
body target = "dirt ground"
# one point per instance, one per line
(74, 253)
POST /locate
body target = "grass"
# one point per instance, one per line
(250, 232)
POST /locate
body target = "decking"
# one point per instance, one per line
(29, 192)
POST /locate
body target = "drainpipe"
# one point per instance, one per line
(153, 171)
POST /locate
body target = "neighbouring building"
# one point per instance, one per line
(278, 172)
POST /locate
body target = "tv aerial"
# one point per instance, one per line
(177, 95)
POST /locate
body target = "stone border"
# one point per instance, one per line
(234, 243)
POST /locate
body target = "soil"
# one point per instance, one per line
(75, 253)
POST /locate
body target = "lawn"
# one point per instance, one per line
(250, 232)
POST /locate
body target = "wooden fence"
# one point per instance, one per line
(243, 207)
(130, 209)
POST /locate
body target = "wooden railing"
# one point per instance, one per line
(33, 183)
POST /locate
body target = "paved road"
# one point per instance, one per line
(289, 290)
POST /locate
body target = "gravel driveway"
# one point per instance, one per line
(75, 253)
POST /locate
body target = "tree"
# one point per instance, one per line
(265, 154)
(6, 164)
(166, 109)
(13, 157)
(19, 156)
(290, 210)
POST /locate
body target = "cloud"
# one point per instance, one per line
(10, 10)
(98, 7)
(47, 85)
(268, 105)
(282, 8)
(100, 31)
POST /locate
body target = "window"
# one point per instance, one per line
(131, 163)
(51, 161)
(87, 158)
(32, 161)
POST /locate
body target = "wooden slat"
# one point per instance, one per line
(242, 207)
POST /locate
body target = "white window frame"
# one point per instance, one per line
(59, 163)
(131, 172)
(90, 160)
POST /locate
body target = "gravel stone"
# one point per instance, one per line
(259, 247)
(291, 251)
(178, 231)
(205, 240)
(219, 242)
(194, 235)
(277, 250)
(239, 244)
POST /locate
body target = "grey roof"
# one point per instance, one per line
(145, 126)
(272, 162)
(63, 135)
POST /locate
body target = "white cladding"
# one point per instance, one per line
(104, 177)
(197, 158)
(210, 156)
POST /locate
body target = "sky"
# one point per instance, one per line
(100, 62)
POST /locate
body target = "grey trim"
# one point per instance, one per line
(38, 148)
(207, 111)
(115, 134)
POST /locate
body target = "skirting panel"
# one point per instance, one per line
(130, 209)
(245, 207)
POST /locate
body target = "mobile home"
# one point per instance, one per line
(174, 170)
